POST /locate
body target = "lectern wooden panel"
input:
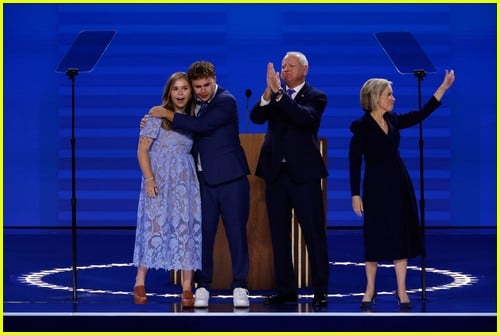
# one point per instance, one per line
(261, 270)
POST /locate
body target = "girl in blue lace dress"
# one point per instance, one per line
(168, 233)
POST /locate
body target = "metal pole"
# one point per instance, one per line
(72, 74)
(420, 74)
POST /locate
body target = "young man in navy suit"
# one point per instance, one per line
(291, 164)
(222, 173)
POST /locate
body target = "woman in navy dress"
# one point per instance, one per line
(388, 203)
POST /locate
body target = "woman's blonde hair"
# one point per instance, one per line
(370, 92)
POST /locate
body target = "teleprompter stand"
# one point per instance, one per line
(85, 52)
(408, 58)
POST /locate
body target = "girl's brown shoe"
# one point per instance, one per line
(140, 295)
(187, 299)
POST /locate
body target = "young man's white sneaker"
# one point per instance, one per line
(240, 297)
(201, 297)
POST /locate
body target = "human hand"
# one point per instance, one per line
(357, 205)
(157, 111)
(449, 79)
(143, 121)
(151, 188)
(272, 78)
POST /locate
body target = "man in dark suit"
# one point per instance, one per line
(291, 164)
(223, 171)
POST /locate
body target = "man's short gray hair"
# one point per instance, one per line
(300, 55)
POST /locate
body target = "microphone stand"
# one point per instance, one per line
(248, 94)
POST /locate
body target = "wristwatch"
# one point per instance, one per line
(280, 91)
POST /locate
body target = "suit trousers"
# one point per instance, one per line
(231, 202)
(306, 199)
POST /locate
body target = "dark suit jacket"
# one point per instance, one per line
(292, 133)
(216, 139)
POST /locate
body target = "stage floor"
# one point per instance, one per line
(38, 288)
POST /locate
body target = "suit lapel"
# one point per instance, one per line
(302, 93)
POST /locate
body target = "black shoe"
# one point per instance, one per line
(280, 299)
(320, 300)
(403, 306)
(368, 305)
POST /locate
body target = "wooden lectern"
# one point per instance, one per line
(261, 270)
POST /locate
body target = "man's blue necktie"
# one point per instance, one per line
(290, 91)
(203, 105)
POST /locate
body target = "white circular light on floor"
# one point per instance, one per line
(457, 279)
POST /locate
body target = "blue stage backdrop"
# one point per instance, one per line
(153, 40)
